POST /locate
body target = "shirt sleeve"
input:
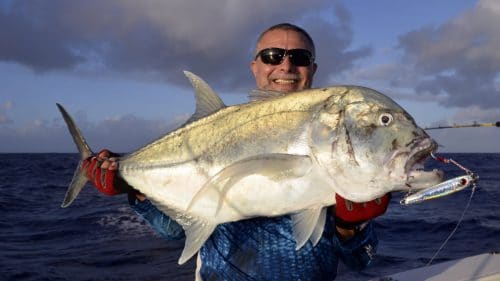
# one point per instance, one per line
(358, 251)
(161, 223)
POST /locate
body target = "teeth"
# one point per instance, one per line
(284, 81)
(418, 167)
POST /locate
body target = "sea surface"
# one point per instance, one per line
(101, 238)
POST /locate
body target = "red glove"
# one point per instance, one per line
(350, 215)
(105, 179)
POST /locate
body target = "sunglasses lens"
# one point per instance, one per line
(274, 56)
(300, 57)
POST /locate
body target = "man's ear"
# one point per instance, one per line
(253, 67)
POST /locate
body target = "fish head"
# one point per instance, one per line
(369, 145)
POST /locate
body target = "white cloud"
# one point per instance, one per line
(211, 38)
(459, 58)
(455, 64)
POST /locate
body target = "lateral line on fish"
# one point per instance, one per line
(125, 167)
(180, 132)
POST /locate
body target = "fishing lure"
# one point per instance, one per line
(442, 189)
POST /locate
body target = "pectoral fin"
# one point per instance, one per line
(196, 234)
(196, 229)
(274, 166)
(318, 229)
(308, 224)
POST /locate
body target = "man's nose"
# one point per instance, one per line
(286, 65)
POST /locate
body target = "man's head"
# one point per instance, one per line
(296, 68)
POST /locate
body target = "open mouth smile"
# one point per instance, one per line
(285, 81)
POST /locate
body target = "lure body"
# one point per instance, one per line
(442, 189)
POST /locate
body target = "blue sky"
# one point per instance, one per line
(117, 65)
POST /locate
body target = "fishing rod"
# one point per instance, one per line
(493, 124)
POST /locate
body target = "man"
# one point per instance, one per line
(264, 248)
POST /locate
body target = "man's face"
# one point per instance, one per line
(285, 77)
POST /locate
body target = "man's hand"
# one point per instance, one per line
(102, 172)
(351, 217)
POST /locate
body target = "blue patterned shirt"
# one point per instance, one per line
(264, 248)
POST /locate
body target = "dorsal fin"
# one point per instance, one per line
(207, 101)
(256, 95)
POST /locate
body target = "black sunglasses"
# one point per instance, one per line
(275, 56)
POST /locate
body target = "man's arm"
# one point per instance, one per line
(359, 250)
(161, 223)
(356, 241)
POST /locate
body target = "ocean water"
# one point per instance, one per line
(101, 238)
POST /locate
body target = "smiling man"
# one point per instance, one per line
(284, 60)
(264, 248)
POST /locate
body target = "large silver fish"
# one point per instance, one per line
(284, 154)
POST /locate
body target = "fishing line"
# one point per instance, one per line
(456, 227)
(469, 172)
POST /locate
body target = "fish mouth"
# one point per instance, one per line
(421, 150)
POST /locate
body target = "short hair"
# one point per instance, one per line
(288, 26)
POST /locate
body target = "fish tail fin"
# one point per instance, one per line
(197, 232)
(79, 177)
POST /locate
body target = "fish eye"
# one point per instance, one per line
(385, 119)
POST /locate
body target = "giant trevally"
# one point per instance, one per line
(284, 154)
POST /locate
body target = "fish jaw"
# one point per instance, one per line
(404, 172)
(416, 177)
(412, 159)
